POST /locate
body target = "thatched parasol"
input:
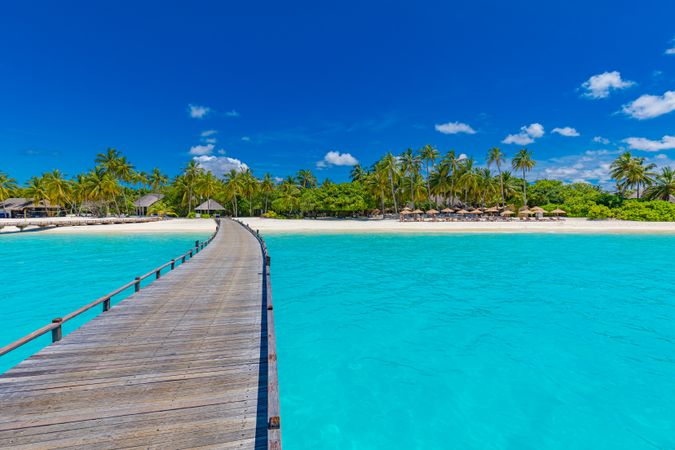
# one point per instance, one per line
(432, 211)
(508, 212)
(375, 211)
(462, 211)
(558, 211)
(418, 211)
(447, 210)
(406, 209)
(525, 212)
(538, 209)
(476, 211)
(405, 212)
(493, 209)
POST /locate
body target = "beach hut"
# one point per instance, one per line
(210, 206)
(145, 202)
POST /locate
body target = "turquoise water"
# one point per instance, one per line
(48, 276)
(475, 341)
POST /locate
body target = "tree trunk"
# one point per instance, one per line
(393, 194)
(524, 189)
(501, 185)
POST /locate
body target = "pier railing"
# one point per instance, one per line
(273, 411)
(56, 326)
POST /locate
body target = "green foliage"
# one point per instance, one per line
(270, 215)
(191, 215)
(610, 200)
(598, 212)
(653, 211)
(546, 191)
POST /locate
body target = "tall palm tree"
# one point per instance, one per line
(125, 173)
(429, 155)
(190, 174)
(664, 185)
(619, 170)
(453, 165)
(103, 187)
(496, 157)
(37, 189)
(377, 182)
(109, 160)
(410, 166)
(207, 185)
(357, 173)
(289, 194)
(59, 190)
(441, 180)
(157, 180)
(390, 165)
(7, 186)
(249, 188)
(233, 188)
(523, 161)
(306, 179)
(267, 186)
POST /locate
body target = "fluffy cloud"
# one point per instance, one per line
(200, 150)
(592, 166)
(527, 134)
(601, 140)
(599, 86)
(208, 133)
(337, 159)
(219, 165)
(566, 131)
(198, 112)
(638, 143)
(650, 106)
(232, 113)
(454, 128)
(246, 139)
(671, 50)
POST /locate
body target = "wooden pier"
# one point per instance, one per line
(22, 224)
(188, 361)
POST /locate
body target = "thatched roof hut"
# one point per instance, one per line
(209, 206)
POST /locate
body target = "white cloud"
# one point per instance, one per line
(638, 143)
(671, 50)
(592, 166)
(278, 179)
(208, 133)
(232, 113)
(246, 139)
(221, 151)
(198, 112)
(337, 159)
(661, 156)
(454, 128)
(566, 131)
(527, 134)
(599, 86)
(462, 157)
(601, 140)
(219, 165)
(650, 106)
(201, 149)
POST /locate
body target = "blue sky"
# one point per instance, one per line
(279, 86)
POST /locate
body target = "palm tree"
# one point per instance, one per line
(207, 185)
(641, 174)
(453, 165)
(162, 209)
(267, 186)
(125, 173)
(233, 188)
(109, 160)
(619, 170)
(496, 157)
(249, 188)
(156, 180)
(289, 194)
(664, 185)
(101, 186)
(510, 183)
(37, 189)
(377, 182)
(357, 173)
(306, 179)
(523, 161)
(429, 155)
(390, 165)
(59, 190)
(190, 174)
(441, 180)
(7, 186)
(410, 165)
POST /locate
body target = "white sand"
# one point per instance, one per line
(394, 226)
(163, 226)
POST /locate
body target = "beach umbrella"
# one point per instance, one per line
(525, 212)
(558, 211)
(406, 209)
(476, 211)
(376, 211)
(538, 209)
(462, 211)
(447, 210)
(418, 211)
(432, 211)
(508, 212)
(405, 212)
(494, 209)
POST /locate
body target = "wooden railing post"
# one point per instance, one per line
(158, 274)
(183, 259)
(173, 264)
(57, 333)
(197, 246)
(106, 304)
(137, 284)
(190, 254)
(268, 260)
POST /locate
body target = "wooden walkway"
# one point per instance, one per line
(180, 364)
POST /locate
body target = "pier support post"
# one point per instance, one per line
(106, 304)
(173, 264)
(158, 274)
(183, 260)
(137, 284)
(268, 260)
(57, 333)
(190, 254)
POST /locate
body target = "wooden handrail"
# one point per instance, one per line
(55, 326)
(273, 410)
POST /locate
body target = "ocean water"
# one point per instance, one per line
(475, 341)
(47, 276)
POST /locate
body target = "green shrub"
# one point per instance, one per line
(270, 215)
(598, 212)
(205, 216)
(652, 211)
(191, 215)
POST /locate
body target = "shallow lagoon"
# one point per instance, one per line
(475, 341)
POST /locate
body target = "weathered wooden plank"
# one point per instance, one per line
(176, 365)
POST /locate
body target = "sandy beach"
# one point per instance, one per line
(162, 226)
(394, 226)
(366, 226)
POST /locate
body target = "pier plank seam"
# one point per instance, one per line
(176, 365)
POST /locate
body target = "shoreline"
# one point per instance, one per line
(366, 226)
(390, 226)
